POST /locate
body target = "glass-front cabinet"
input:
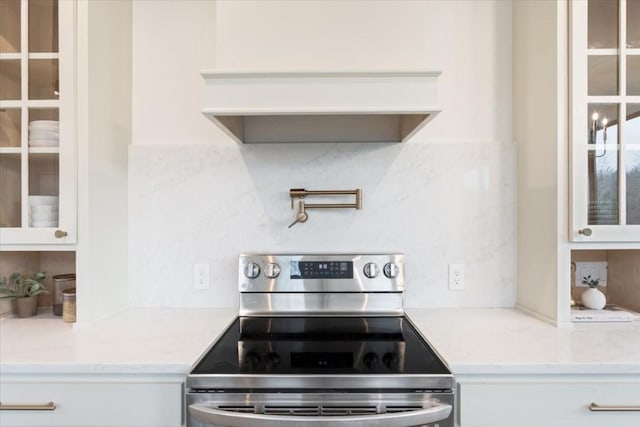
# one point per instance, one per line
(37, 137)
(605, 109)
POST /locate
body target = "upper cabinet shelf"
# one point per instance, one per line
(264, 107)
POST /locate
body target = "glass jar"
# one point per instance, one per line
(60, 283)
(69, 305)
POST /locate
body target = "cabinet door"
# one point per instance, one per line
(37, 137)
(87, 404)
(605, 120)
(548, 404)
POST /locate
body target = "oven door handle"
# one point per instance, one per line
(214, 416)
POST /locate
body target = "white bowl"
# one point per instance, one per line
(44, 142)
(43, 200)
(51, 123)
(44, 126)
(44, 209)
(47, 133)
(44, 217)
(44, 224)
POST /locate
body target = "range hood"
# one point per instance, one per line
(264, 107)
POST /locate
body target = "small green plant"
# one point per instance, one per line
(592, 283)
(21, 287)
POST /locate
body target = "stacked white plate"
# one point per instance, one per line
(44, 133)
(43, 211)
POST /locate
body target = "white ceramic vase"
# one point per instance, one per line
(594, 299)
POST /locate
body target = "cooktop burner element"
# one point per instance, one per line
(316, 333)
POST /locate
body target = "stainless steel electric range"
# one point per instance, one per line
(320, 340)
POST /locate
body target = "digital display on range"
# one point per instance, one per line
(321, 269)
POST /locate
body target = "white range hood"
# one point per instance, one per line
(263, 107)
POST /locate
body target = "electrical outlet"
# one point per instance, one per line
(456, 277)
(201, 276)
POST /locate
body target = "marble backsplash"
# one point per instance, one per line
(438, 203)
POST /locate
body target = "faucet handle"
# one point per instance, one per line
(302, 215)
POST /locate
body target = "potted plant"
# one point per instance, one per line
(593, 298)
(24, 291)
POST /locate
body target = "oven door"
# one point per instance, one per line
(320, 409)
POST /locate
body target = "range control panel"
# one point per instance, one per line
(321, 273)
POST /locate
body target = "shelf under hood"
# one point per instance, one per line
(264, 107)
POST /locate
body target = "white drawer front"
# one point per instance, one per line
(547, 404)
(92, 404)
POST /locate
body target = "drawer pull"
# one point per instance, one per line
(594, 407)
(49, 406)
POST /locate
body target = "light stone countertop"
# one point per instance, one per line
(505, 341)
(169, 341)
(134, 341)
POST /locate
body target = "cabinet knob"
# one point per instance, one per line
(60, 233)
(585, 232)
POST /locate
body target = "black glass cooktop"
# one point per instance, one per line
(320, 345)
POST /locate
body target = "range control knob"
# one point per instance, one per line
(272, 270)
(370, 360)
(252, 270)
(252, 359)
(272, 359)
(390, 360)
(370, 270)
(391, 270)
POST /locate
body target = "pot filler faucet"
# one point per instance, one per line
(301, 193)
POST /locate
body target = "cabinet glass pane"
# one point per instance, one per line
(602, 75)
(602, 169)
(603, 124)
(9, 26)
(633, 26)
(633, 73)
(44, 178)
(10, 190)
(602, 164)
(10, 79)
(10, 131)
(43, 25)
(603, 24)
(43, 79)
(44, 129)
(632, 160)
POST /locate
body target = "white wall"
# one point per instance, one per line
(449, 195)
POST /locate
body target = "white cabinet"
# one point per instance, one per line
(549, 401)
(106, 400)
(605, 121)
(37, 123)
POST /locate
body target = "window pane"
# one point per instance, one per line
(602, 75)
(633, 28)
(602, 168)
(10, 131)
(10, 79)
(603, 124)
(9, 26)
(10, 195)
(43, 25)
(633, 74)
(603, 24)
(632, 160)
(43, 79)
